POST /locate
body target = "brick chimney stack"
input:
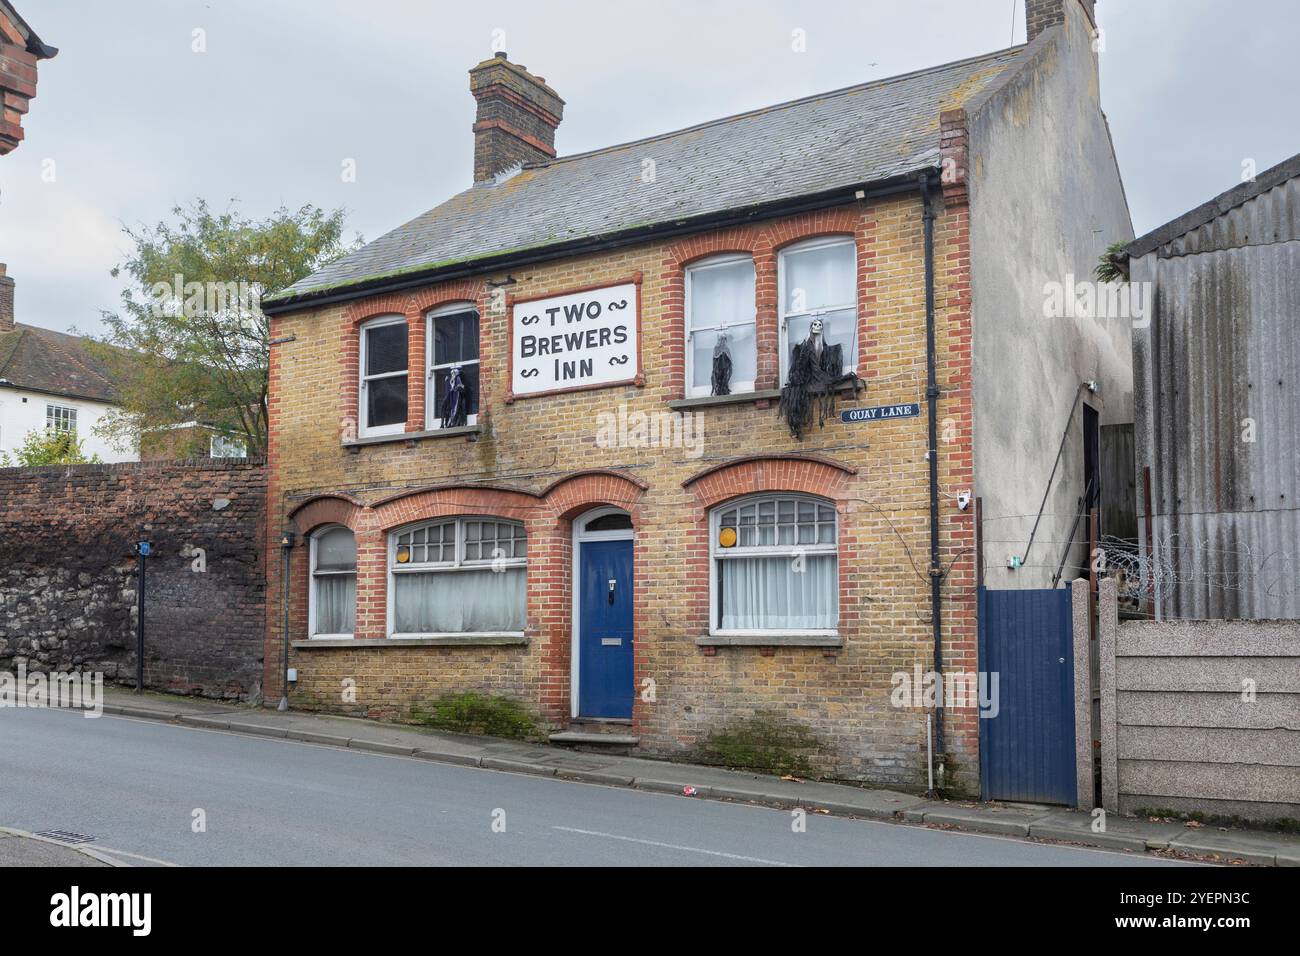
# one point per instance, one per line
(1041, 15)
(6, 300)
(517, 117)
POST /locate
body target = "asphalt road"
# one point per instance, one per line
(136, 786)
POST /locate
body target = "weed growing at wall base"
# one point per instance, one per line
(78, 690)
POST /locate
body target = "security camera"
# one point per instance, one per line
(963, 500)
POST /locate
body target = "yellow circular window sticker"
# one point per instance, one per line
(727, 537)
(403, 555)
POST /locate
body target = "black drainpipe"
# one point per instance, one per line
(932, 399)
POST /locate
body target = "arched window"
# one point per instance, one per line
(453, 344)
(720, 307)
(458, 576)
(332, 604)
(818, 279)
(775, 567)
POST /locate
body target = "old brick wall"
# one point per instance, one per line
(534, 461)
(68, 585)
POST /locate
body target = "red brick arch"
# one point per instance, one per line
(448, 501)
(808, 474)
(326, 509)
(584, 490)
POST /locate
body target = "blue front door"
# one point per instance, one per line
(605, 629)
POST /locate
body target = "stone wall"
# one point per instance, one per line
(68, 572)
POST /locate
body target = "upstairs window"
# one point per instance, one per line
(453, 345)
(818, 279)
(333, 606)
(60, 418)
(383, 377)
(720, 307)
(458, 576)
(775, 566)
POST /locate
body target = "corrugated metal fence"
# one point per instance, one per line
(1218, 413)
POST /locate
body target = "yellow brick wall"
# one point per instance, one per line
(842, 695)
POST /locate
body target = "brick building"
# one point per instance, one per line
(597, 532)
(21, 50)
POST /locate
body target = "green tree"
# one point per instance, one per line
(48, 447)
(190, 343)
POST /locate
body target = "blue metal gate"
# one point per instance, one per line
(1027, 749)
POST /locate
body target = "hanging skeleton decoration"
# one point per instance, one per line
(722, 365)
(816, 367)
(454, 409)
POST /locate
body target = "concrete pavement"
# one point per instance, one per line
(19, 848)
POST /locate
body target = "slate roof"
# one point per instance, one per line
(54, 363)
(875, 132)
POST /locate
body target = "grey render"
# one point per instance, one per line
(1046, 201)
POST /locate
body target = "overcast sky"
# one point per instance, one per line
(136, 122)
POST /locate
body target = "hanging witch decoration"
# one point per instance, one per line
(816, 367)
(454, 409)
(722, 365)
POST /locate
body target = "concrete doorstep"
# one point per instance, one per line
(1053, 824)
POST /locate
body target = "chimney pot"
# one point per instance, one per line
(516, 118)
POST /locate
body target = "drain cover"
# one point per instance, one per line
(66, 836)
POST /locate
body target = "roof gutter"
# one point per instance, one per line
(18, 387)
(906, 182)
(34, 44)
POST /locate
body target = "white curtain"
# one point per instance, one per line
(722, 294)
(771, 594)
(336, 603)
(453, 602)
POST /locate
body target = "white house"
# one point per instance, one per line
(50, 380)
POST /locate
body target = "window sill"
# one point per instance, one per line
(432, 640)
(770, 640)
(706, 401)
(466, 430)
(762, 395)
